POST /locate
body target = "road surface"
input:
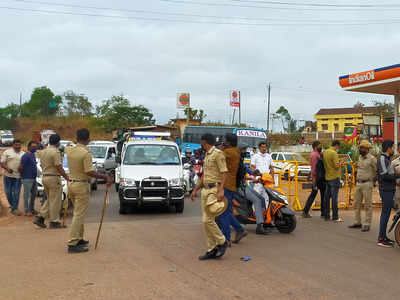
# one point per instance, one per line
(152, 254)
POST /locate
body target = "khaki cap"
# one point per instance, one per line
(365, 144)
(217, 208)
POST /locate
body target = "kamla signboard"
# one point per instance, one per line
(251, 133)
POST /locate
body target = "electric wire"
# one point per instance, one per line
(318, 4)
(397, 21)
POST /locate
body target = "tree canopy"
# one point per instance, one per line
(43, 102)
(75, 104)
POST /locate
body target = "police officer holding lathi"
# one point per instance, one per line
(213, 202)
(50, 160)
(80, 170)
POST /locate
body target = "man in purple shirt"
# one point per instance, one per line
(28, 171)
(318, 182)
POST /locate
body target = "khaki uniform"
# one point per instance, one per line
(79, 163)
(214, 165)
(50, 158)
(366, 174)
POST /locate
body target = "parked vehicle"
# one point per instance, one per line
(104, 157)
(6, 138)
(277, 213)
(45, 135)
(283, 162)
(150, 173)
(64, 143)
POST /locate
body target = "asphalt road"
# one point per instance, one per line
(152, 254)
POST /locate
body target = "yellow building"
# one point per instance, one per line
(336, 119)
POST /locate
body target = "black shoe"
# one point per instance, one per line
(260, 230)
(39, 221)
(77, 249)
(83, 243)
(56, 225)
(354, 226)
(221, 249)
(306, 215)
(209, 255)
(365, 228)
(389, 240)
(327, 218)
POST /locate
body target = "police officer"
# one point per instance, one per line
(50, 160)
(80, 170)
(213, 202)
(366, 177)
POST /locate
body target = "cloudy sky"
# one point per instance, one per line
(150, 50)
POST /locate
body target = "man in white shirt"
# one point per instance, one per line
(10, 162)
(261, 162)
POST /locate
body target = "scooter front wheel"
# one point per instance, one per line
(286, 224)
(397, 234)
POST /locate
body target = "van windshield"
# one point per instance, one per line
(98, 151)
(151, 155)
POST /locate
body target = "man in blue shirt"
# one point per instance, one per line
(28, 171)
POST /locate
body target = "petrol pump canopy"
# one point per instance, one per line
(384, 80)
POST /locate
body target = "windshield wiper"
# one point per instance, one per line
(170, 163)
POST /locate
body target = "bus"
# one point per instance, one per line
(250, 137)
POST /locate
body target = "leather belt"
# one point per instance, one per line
(73, 180)
(50, 175)
(210, 185)
(363, 181)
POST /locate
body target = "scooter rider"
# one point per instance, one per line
(189, 159)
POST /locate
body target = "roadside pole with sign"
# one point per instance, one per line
(183, 102)
(235, 103)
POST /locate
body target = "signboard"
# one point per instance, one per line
(182, 100)
(251, 133)
(235, 98)
(372, 120)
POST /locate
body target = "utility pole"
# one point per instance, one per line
(20, 104)
(240, 109)
(269, 106)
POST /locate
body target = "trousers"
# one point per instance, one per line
(30, 193)
(260, 202)
(321, 186)
(332, 192)
(227, 219)
(387, 205)
(52, 206)
(214, 235)
(79, 193)
(363, 192)
(12, 188)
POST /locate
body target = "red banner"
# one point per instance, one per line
(235, 98)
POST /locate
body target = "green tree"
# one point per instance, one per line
(8, 116)
(384, 108)
(285, 117)
(43, 102)
(117, 112)
(75, 104)
(195, 114)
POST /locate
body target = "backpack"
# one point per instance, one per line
(241, 174)
(320, 170)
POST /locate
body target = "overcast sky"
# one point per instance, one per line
(151, 60)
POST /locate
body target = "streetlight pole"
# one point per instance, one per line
(269, 106)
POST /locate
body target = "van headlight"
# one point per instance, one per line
(175, 182)
(127, 182)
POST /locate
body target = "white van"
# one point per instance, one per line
(150, 173)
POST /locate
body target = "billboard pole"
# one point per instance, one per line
(240, 110)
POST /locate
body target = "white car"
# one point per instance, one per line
(101, 143)
(151, 173)
(64, 143)
(281, 163)
(104, 157)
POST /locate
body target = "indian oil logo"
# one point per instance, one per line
(361, 77)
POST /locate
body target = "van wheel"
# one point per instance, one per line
(179, 207)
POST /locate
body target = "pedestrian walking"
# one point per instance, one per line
(213, 202)
(318, 180)
(396, 165)
(50, 160)
(10, 162)
(28, 171)
(332, 166)
(387, 187)
(366, 178)
(227, 219)
(80, 170)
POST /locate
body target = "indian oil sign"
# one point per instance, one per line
(385, 73)
(361, 77)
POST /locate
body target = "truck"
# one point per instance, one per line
(6, 138)
(150, 173)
